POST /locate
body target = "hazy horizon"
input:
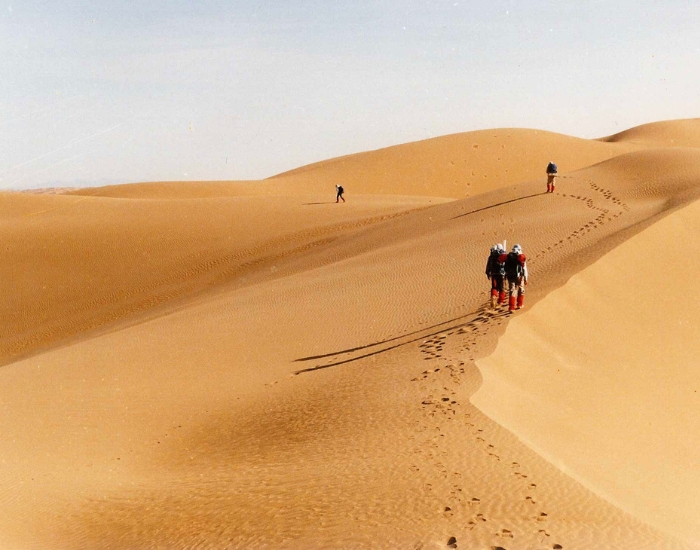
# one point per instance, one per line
(100, 93)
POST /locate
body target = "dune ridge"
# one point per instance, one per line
(670, 133)
(620, 412)
(453, 166)
(248, 364)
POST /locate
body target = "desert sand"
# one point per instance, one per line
(251, 365)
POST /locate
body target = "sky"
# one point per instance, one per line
(95, 91)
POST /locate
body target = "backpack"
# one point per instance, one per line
(497, 267)
(340, 190)
(551, 168)
(494, 266)
(514, 267)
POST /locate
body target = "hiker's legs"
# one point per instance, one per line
(513, 290)
(551, 180)
(521, 293)
(501, 290)
(494, 291)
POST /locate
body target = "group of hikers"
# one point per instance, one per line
(511, 268)
(503, 268)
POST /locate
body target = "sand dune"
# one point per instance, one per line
(672, 133)
(250, 365)
(601, 376)
(454, 166)
(77, 263)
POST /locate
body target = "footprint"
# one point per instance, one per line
(505, 533)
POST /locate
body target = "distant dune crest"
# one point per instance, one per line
(674, 133)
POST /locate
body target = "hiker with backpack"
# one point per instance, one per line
(339, 193)
(495, 271)
(516, 273)
(551, 176)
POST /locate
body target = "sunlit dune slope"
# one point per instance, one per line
(453, 166)
(456, 166)
(602, 376)
(172, 190)
(671, 133)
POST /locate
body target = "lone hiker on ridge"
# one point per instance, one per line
(339, 193)
(551, 176)
(516, 272)
(495, 270)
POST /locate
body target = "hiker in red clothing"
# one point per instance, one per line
(551, 177)
(516, 273)
(495, 271)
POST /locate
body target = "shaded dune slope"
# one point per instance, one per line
(297, 403)
(78, 263)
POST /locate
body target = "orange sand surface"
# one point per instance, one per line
(251, 365)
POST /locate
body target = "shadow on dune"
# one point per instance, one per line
(499, 204)
(315, 203)
(380, 342)
(480, 314)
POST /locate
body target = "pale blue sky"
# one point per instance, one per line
(95, 92)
